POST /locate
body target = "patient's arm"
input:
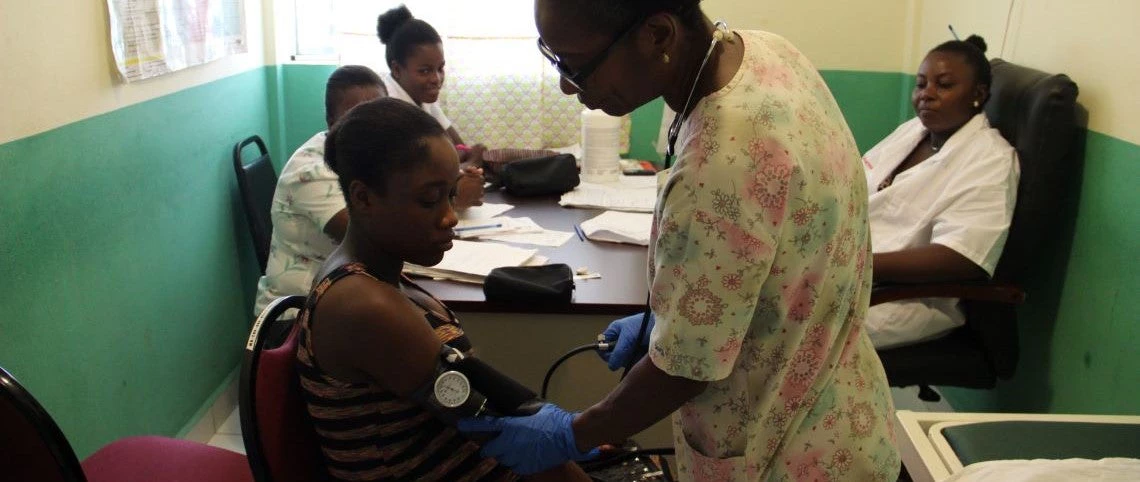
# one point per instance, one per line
(925, 264)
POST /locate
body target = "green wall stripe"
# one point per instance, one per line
(1079, 327)
(129, 274)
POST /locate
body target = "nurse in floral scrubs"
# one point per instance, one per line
(760, 266)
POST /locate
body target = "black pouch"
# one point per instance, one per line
(553, 283)
(540, 175)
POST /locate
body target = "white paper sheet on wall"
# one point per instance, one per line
(150, 38)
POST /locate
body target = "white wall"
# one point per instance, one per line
(835, 35)
(1095, 42)
(56, 65)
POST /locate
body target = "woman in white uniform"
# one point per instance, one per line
(943, 187)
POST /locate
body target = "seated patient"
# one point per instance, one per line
(370, 339)
(943, 187)
(308, 211)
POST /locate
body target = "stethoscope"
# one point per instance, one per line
(721, 33)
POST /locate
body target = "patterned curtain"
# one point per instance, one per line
(501, 92)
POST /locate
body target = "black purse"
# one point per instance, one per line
(540, 175)
(549, 284)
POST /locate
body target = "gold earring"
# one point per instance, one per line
(664, 57)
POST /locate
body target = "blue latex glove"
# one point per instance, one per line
(624, 331)
(529, 444)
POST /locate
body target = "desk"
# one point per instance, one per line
(523, 340)
(619, 292)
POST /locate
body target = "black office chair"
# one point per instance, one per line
(1037, 113)
(256, 182)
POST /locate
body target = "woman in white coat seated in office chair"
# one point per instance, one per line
(943, 187)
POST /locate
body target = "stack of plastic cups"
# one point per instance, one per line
(601, 142)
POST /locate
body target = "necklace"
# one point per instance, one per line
(675, 126)
(935, 147)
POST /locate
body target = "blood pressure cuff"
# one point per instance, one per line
(549, 284)
(540, 176)
(491, 392)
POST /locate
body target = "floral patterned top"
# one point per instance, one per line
(308, 195)
(760, 274)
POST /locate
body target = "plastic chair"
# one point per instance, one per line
(279, 441)
(33, 448)
(1038, 114)
(256, 183)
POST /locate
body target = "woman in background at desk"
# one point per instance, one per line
(308, 211)
(414, 53)
(943, 188)
(759, 262)
(370, 340)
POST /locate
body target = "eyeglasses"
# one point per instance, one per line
(577, 78)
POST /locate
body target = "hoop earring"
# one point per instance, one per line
(664, 57)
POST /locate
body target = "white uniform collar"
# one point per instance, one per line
(397, 91)
(972, 126)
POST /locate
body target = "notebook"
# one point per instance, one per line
(619, 227)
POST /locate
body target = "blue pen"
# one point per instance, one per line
(472, 228)
(578, 231)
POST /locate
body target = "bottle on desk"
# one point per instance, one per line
(601, 143)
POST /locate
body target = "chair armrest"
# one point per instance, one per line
(995, 292)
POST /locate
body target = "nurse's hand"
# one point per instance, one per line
(530, 444)
(623, 334)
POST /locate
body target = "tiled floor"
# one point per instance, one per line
(228, 435)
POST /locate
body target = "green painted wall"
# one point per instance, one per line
(1081, 324)
(870, 101)
(128, 271)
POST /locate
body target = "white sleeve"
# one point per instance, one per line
(979, 207)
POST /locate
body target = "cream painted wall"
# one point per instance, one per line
(1095, 42)
(56, 65)
(982, 17)
(849, 35)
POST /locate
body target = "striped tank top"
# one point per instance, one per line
(367, 433)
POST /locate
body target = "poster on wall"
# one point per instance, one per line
(150, 38)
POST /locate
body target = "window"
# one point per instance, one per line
(500, 91)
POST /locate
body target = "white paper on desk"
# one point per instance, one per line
(630, 193)
(484, 211)
(471, 262)
(619, 227)
(481, 228)
(541, 238)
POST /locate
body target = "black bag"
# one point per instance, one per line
(553, 283)
(540, 175)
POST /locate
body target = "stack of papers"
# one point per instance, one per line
(511, 230)
(479, 228)
(484, 211)
(630, 193)
(470, 262)
(619, 227)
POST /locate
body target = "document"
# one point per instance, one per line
(154, 37)
(541, 238)
(630, 193)
(470, 261)
(485, 211)
(619, 227)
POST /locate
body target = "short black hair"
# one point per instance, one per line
(973, 49)
(377, 138)
(343, 79)
(610, 16)
(400, 32)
